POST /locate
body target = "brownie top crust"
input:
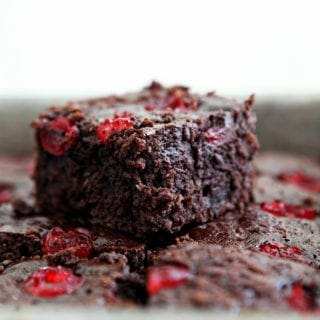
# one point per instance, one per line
(155, 103)
(228, 278)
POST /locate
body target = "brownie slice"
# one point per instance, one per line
(260, 231)
(22, 237)
(290, 178)
(230, 278)
(149, 162)
(102, 281)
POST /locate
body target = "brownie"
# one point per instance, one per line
(194, 275)
(150, 162)
(22, 237)
(105, 280)
(22, 228)
(269, 185)
(257, 230)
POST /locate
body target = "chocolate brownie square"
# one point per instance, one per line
(209, 276)
(260, 231)
(23, 230)
(62, 241)
(20, 237)
(105, 280)
(290, 178)
(145, 163)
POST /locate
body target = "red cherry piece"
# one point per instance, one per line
(299, 299)
(109, 126)
(301, 180)
(6, 193)
(179, 99)
(176, 100)
(58, 136)
(79, 242)
(215, 136)
(150, 107)
(281, 209)
(278, 249)
(166, 277)
(51, 282)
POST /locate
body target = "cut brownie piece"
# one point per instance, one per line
(23, 237)
(292, 179)
(146, 163)
(92, 242)
(102, 281)
(230, 278)
(20, 237)
(22, 229)
(258, 230)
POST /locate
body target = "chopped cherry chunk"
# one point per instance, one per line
(166, 277)
(51, 282)
(58, 136)
(301, 180)
(216, 136)
(281, 209)
(79, 242)
(150, 107)
(300, 300)
(109, 126)
(278, 249)
(177, 99)
(177, 102)
(6, 193)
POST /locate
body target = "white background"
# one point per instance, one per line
(73, 47)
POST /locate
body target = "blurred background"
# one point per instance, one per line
(74, 47)
(51, 51)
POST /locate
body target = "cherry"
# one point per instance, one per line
(6, 193)
(215, 136)
(281, 209)
(50, 282)
(301, 180)
(278, 249)
(177, 100)
(58, 136)
(150, 107)
(166, 277)
(109, 126)
(300, 300)
(79, 242)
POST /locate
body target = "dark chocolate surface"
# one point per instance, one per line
(231, 278)
(105, 279)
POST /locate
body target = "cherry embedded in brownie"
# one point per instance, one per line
(104, 280)
(151, 162)
(283, 237)
(230, 278)
(23, 237)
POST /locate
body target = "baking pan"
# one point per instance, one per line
(290, 124)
